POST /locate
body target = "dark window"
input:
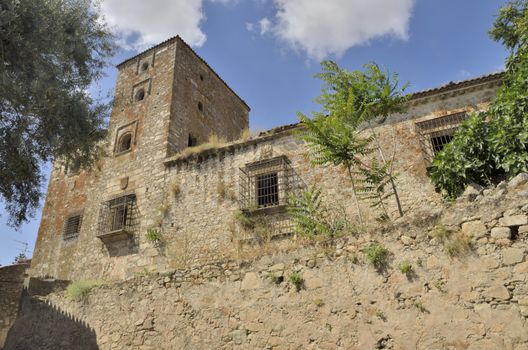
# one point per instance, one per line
(268, 183)
(192, 141)
(124, 143)
(118, 214)
(140, 95)
(72, 226)
(144, 66)
(267, 190)
(201, 77)
(435, 133)
(200, 106)
(439, 141)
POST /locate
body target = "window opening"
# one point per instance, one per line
(140, 95)
(200, 106)
(267, 190)
(201, 77)
(435, 133)
(72, 226)
(268, 183)
(119, 214)
(439, 141)
(125, 143)
(144, 66)
(192, 141)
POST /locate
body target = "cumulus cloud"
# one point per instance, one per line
(330, 27)
(141, 23)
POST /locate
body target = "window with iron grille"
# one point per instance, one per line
(268, 183)
(118, 215)
(435, 133)
(72, 226)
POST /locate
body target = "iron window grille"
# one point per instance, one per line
(72, 226)
(268, 183)
(118, 215)
(435, 133)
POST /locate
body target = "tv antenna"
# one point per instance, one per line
(23, 244)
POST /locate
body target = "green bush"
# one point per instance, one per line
(406, 268)
(79, 290)
(297, 280)
(153, 235)
(377, 255)
(493, 145)
(311, 218)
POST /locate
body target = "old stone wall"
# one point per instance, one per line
(202, 104)
(464, 287)
(11, 286)
(191, 200)
(162, 75)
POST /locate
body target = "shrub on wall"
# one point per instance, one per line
(79, 290)
(493, 145)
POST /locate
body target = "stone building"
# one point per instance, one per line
(160, 176)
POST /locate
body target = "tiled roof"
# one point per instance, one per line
(452, 85)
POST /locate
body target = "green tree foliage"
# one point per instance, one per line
(493, 145)
(311, 218)
(350, 102)
(50, 53)
(373, 185)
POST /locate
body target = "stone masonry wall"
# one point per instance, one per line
(474, 297)
(11, 286)
(223, 113)
(140, 170)
(191, 201)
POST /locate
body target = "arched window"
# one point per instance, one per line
(144, 66)
(124, 143)
(140, 95)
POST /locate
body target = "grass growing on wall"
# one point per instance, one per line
(213, 142)
(79, 290)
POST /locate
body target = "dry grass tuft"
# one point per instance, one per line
(214, 142)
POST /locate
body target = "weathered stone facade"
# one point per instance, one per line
(477, 300)
(166, 99)
(11, 286)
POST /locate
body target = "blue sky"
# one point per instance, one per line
(269, 50)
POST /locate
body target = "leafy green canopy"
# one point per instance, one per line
(50, 53)
(493, 145)
(337, 134)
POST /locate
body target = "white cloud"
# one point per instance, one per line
(265, 25)
(250, 26)
(330, 27)
(143, 23)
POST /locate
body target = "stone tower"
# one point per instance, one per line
(170, 88)
(166, 99)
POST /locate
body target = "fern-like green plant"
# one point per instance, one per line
(308, 214)
(350, 100)
(311, 218)
(373, 184)
(331, 141)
